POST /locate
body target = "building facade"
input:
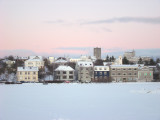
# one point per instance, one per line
(64, 73)
(101, 74)
(124, 73)
(34, 62)
(27, 74)
(97, 53)
(145, 74)
(84, 71)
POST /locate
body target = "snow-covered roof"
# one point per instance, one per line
(30, 60)
(85, 64)
(101, 68)
(27, 69)
(126, 66)
(60, 61)
(35, 57)
(64, 68)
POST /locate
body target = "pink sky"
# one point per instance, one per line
(43, 26)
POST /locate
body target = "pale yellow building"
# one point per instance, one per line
(27, 74)
(35, 62)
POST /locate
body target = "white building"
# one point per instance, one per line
(27, 74)
(36, 61)
(64, 73)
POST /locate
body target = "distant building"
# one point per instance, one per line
(64, 73)
(101, 74)
(27, 74)
(124, 73)
(51, 60)
(97, 52)
(145, 74)
(129, 54)
(9, 62)
(35, 61)
(21, 58)
(84, 71)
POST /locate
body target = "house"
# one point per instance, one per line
(64, 73)
(27, 74)
(101, 74)
(9, 62)
(124, 73)
(34, 61)
(84, 71)
(145, 74)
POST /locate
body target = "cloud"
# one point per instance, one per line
(154, 20)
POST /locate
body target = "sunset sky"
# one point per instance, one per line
(74, 27)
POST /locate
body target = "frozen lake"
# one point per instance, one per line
(113, 101)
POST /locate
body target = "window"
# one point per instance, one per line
(34, 78)
(20, 73)
(64, 77)
(113, 69)
(129, 73)
(70, 77)
(119, 73)
(71, 72)
(34, 73)
(129, 69)
(124, 69)
(135, 68)
(95, 73)
(105, 73)
(118, 69)
(64, 72)
(100, 73)
(100, 68)
(28, 78)
(124, 73)
(135, 73)
(26, 73)
(105, 68)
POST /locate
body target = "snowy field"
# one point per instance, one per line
(73, 101)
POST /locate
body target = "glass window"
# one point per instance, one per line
(64, 72)
(70, 77)
(71, 72)
(64, 77)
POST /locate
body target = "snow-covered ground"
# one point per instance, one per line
(74, 101)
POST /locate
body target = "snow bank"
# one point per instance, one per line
(74, 101)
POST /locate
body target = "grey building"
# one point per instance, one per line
(84, 71)
(97, 52)
(64, 73)
(124, 73)
(145, 74)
